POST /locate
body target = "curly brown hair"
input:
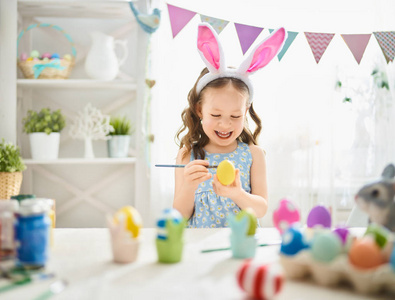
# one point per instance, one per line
(195, 139)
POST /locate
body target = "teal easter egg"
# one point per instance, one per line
(292, 241)
(326, 246)
(35, 54)
(168, 214)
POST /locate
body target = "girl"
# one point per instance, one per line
(217, 129)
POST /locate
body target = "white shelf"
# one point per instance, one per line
(77, 83)
(105, 9)
(79, 161)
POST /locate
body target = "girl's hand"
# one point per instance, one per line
(196, 172)
(232, 190)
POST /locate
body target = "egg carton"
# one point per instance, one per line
(339, 270)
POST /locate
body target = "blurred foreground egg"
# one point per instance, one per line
(319, 216)
(285, 215)
(168, 214)
(365, 254)
(260, 281)
(325, 246)
(250, 214)
(342, 233)
(133, 221)
(226, 172)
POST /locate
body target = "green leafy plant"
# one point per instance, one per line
(10, 158)
(121, 125)
(44, 121)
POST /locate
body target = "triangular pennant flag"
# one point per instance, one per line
(217, 24)
(318, 43)
(357, 44)
(179, 17)
(386, 40)
(291, 37)
(247, 35)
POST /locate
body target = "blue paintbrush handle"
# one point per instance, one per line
(179, 166)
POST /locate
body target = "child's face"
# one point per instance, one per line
(223, 112)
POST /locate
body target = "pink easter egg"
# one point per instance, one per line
(319, 216)
(23, 56)
(260, 281)
(46, 55)
(285, 215)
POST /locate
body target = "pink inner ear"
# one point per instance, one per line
(208, 45)
(265, 52)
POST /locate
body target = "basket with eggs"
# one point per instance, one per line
(46, 65)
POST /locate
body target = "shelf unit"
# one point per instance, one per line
(79, 178)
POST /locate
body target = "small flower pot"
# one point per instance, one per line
(118, 146)
(44, 146)
(243, 247)
(169, 251)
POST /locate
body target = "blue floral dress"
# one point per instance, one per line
(212, 210)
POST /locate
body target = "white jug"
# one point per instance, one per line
(101, 62)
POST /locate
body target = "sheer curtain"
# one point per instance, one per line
(319, 148)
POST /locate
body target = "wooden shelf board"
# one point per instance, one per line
(86, 161)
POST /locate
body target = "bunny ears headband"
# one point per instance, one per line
(212, 55)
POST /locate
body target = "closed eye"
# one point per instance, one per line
(215, 116)
(235, 117)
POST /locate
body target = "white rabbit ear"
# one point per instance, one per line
(264, 52)
(209, 48)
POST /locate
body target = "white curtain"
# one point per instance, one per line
(320, 150)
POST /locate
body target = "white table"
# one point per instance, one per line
(83, 257)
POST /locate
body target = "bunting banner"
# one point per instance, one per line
(290, 38)
(179, 17)
(247, 35)
(357, 44)
(386, 40)
(217, 24)
(318, 42)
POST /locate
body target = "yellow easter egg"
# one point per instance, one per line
(226, 172)
(133, 221)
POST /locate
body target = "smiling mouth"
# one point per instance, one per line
(223, 135)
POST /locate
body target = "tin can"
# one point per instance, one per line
(32, 235)
(7, 219)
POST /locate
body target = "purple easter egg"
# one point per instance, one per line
(319, 216)
(342, 233)
(23, 56)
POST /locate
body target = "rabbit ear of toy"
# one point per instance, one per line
(209, 48)
(389, 172)
(264, 52)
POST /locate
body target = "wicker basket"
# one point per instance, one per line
(51, 69)
(10, 184)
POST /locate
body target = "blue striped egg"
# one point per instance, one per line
(168, 214)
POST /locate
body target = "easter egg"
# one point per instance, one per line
(168, 215)
(226, 172)
(342, 233)
(55, 55)
(319, 216)
(392, 258)
(250, 214)
(133, 221)
(365, 254)
(292, 241)
(67, 57)
(29, 59)
(325, 246)
(46, 55)
(285, 215)
(23, 56)
(260, 281)
(379, 233)
(34, 54)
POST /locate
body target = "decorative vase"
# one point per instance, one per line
(44, 146)
(118, 146)
(10, 184)
(101, 62)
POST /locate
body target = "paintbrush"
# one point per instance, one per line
(276, 242)
(181, 166)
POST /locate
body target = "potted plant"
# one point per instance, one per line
(44, 129)
(118, 143)
(11, 167)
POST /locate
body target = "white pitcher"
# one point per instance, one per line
(101, 62)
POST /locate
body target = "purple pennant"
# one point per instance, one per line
(247, 35)
(179, 17)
